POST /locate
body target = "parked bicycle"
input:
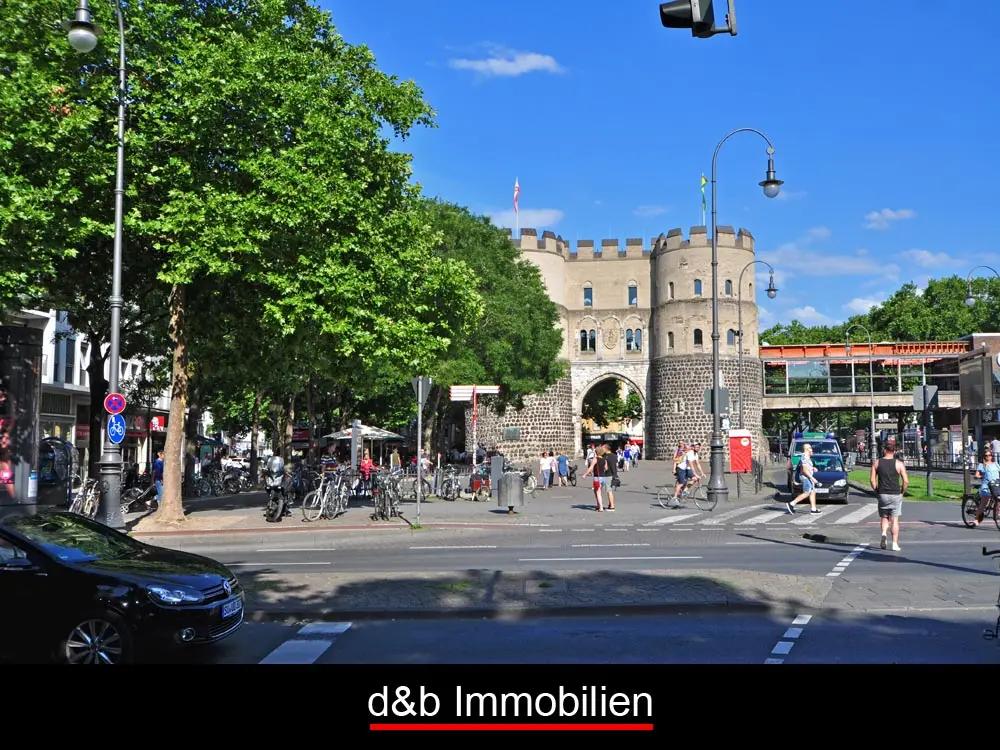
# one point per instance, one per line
(329, 500)
(385, 497)
(86, 501)
(451, 486)
(992, 634)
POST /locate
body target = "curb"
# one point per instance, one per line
(278, 529)
(491, 613)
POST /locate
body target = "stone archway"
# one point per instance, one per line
(580, 396)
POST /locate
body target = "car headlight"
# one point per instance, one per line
(840, 483)
(174, 596)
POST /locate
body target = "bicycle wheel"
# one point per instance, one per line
(969, 505)
(203, 487)
(664, 496)
(530, 484)
(90, 503)
(312, 506)
(701, 499)
(996, 514)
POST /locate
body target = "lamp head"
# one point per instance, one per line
(772, 290)
(771, 184)
(82, 32)
(970, 301)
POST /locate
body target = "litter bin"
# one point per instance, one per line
(511, 491)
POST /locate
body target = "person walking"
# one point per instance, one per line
(889, 480)
(544, 468)
(807, 474)
(562, 463)
(995, 445)
(594, 468)
(157, 478)
(591, 454)
(395, 462)
(680, 470)
(610, 478)
(553, 468)
(988, 471)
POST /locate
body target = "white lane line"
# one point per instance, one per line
(792, 634)
(671, 519)
(832, 575)
(325, 628)
(809, 518)
(748, 544)
(261, 564)
(858, 515)
(550, 531)
(774, 661)
(640, 530)
(470, 546)
(782, 648)
(297, 652)
(610, 545)
(762, 518)
(802, 620)
(717, 520)
(597, 559)
(303, 549)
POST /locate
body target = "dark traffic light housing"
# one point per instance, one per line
(697, 15)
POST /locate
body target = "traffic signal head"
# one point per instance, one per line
(696, 15)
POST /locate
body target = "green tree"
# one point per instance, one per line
(604, 405)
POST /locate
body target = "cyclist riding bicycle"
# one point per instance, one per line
(989, 472)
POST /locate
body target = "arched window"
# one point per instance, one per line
(670, 340)
(583, 341)
(670, 290)
(638, 339)
(593, 340)
(588, 295)
(629, 340)
(633, 294)
(729, 288)
(697, 337)
(697, 287)
(731, 337)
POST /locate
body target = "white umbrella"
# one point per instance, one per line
(367, 433)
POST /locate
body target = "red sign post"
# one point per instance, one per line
(114, 403)
(740, 451)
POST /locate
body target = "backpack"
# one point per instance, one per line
(798, 471)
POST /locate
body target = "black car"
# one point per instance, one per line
(828, 468)
(77, 591)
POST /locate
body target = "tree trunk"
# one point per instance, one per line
(172, 508)
(254, 432)
(289, 425)
(430, 425)
(98, 390)
(311, 415)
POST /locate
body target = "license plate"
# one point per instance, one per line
(822, 490)
(231, 608)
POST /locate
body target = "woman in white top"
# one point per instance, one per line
(543, 471)
(553, 468)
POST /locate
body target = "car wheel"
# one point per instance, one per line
(99, 639)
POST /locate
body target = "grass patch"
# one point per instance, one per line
(943, 489)
(456, 587)
(545, 585)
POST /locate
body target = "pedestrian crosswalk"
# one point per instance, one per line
(771, 514)
(309, 644)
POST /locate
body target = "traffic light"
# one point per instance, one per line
(697, 15)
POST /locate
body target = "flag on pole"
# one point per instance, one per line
(517, 207)
(704, 203)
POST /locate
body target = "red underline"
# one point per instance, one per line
(510, 727)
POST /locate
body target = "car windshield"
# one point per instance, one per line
(818, 446)
(827, 463)
(74, 539)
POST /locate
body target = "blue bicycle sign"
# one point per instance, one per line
(116, 428)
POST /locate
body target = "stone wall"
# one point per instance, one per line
(675, 410)
(546, 423)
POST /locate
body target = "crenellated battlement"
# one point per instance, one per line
(633, 248)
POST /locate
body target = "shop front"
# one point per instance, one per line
(20, 393)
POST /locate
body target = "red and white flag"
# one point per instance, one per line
(517, 196)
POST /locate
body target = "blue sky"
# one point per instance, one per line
(884, 126)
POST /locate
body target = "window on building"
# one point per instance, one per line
(638, 339)
(729, 288)
(731, 337)
(670, 290)
(698, 337)
(588, 295)
(670, 340)
(70, 361)
(629, 340)
(593, 340)
(633, 295)
(583, 341)
(57, 361)
(697, 287)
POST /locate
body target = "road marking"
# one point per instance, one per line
(802, 620)
(748, 544)
(717, 520)
(597, 559)
(325, 628)
(297, 652)
(304, 549)
(471, 546)
(610, 545)
(832, 575)
(671, 519)
(858, 515)
(762, 518)
(550, 531)
(774, 661)
(782, 648)
(792, 634)
(810, 518)
(254, 565)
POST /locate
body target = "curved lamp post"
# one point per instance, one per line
(772, 292)
(83, 34)
(871, 378)
(970, 299)
(771, 185)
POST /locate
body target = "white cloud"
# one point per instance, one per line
(809, 315)
(800, 258)
(791, 195)
(882, 219)
(765, 316)
(649, 211)
(927, 259)
(819, 233)
(861, 305)
(534, 218)
(508, 63)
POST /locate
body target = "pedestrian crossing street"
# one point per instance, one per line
(769, 514)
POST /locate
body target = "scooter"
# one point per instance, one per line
(277, 485)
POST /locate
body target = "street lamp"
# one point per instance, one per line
(970, 299)
(717, 489)
(82, 35)
(772, 292)
(871, 377)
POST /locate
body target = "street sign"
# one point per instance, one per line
(511, 434)
(925, 397)
(421, 387)
(116, 428)
(464, 392)
(114, 403)
(723, 400)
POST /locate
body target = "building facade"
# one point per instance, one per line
(640, 314)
